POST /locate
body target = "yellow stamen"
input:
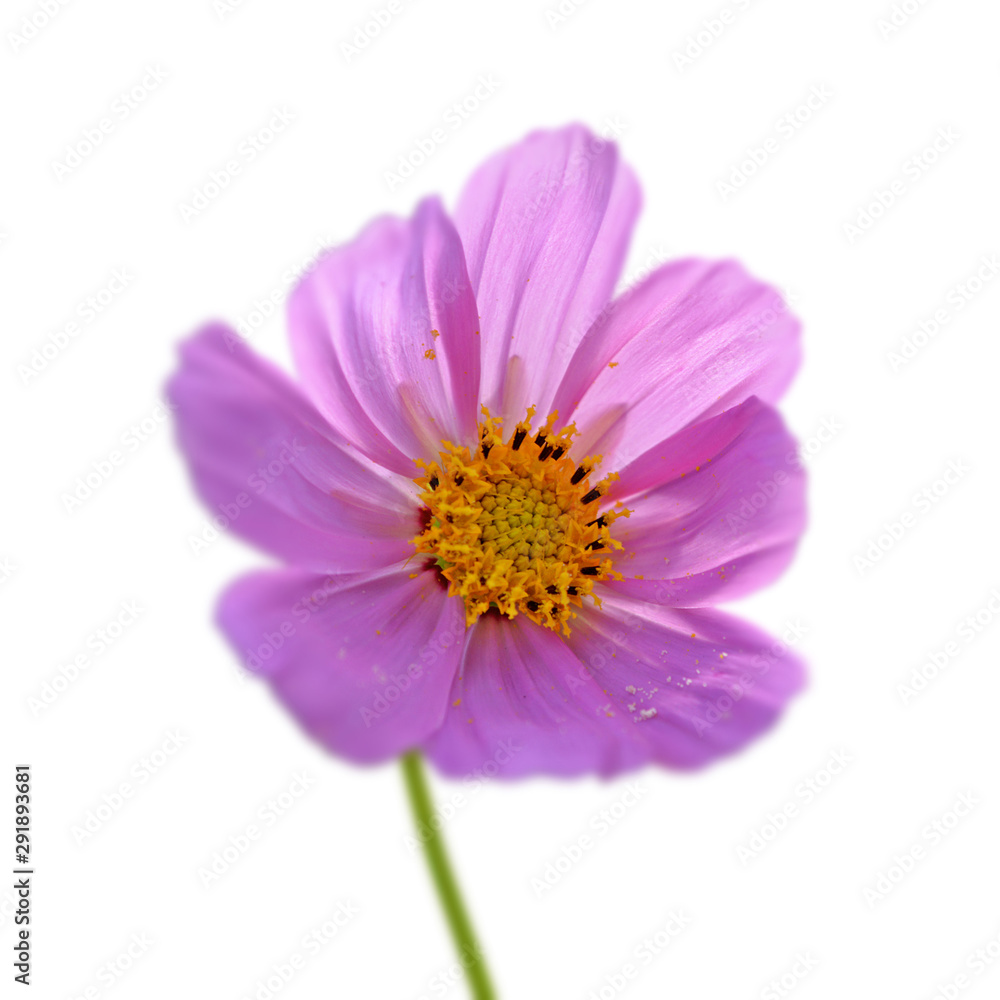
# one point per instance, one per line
(515, 525)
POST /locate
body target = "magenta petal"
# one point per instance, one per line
(692, 340)
(522, 703)
(364, 663)
(694, 684)
(727, 509)
(384, 333)
(545, 226)
(273, 471)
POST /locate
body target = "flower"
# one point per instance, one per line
(505, 505)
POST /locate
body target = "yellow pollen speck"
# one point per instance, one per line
(435, 334)
(515, 524)
(612, 364)
(430, 354)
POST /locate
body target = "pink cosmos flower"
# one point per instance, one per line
(504, 504)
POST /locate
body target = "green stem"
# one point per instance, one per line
(462, 933)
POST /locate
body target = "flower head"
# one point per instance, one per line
(514, 524)
(505, 502)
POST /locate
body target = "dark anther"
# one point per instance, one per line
(545, 452)
(590, 570)
(519, 436)
(558, 453)
(552, 589)
(532, 605)
(459, 480)
(572, 591)
(596, 545)
(592, 495)
(540, 439)
(578, 475)
(599, 521)
(434, 482)
(486, 450)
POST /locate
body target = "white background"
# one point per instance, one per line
(889, 435)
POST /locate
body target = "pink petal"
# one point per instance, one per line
(271, 469)
(694, 339)
(364, 663)
(384, 333)
(522, 703)
(720, 504)
(694, 684)
(725, 582)
(545, 226)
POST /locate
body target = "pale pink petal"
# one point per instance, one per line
(632, 684)
(692, 340)
(693, 684)
(545, 226)
(721, 505)
(385, 337)
(272, 470)
(365, 663)
(727, 581)
(523, 703)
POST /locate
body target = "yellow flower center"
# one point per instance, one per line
(515, 525)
